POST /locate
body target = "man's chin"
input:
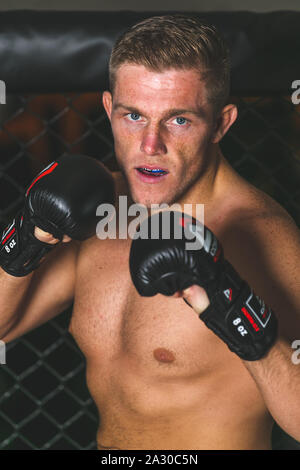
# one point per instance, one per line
(152, 201)
(151, 197)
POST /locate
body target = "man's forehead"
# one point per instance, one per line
(134, 80)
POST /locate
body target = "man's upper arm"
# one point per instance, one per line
(50, 292)
(265, 250)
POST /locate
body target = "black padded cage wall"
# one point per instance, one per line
(54, 65)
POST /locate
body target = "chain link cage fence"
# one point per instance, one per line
(44, 401)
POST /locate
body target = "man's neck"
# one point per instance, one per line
(206, 189)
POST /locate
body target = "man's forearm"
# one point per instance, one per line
(13, 290)
(278, 379)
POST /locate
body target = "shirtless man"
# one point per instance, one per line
(160, 378)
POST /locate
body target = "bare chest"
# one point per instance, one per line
(160, 336)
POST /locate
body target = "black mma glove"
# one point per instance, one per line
(62, 199)
(238, 316)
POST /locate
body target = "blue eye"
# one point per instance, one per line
(181, 120)
(134, 116)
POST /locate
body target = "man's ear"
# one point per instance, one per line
(224, 121)
(107, 102)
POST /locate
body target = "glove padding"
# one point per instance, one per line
(62, 200)
(165, 266)
(20, 251)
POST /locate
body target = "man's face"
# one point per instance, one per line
(162, 122)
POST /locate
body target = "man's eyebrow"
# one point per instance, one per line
(199, 112)
(124, 106)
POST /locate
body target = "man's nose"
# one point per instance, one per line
(152, 143)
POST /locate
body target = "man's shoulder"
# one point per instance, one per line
(260, 212)
(260, 236)
(244, 204)
(259, 224)
(262, 242)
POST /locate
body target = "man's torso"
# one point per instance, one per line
(159, 377)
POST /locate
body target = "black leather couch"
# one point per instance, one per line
(43, 51)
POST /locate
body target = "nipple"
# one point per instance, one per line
(163, 355)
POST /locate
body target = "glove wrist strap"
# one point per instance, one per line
(240, 318)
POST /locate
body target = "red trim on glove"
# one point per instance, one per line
(46, 172)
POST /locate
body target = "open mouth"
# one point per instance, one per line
(153, 172)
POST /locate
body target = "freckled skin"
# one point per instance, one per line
(189, 151)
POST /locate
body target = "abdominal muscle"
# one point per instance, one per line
(152, 397)
(141, 412)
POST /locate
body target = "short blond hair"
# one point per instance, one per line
(177, 41)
